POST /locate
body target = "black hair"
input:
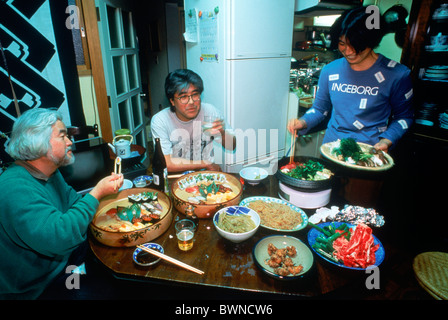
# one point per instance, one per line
(179, 80)
(353, 25)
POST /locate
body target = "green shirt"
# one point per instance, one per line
(42, 220)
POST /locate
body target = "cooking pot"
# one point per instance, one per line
(308, 185)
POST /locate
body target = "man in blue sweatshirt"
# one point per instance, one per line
(367, 96)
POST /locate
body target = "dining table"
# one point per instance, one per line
(228, 265)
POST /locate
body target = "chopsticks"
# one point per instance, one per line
(169, 259)
(174, 176)
(117, 169)
(293, 147)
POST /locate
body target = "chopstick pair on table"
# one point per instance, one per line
(169, 259)
(117, 169)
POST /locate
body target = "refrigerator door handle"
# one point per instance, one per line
(261, 161)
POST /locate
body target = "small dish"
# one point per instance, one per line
(127, 184)
(142, 181)
(237, 210)
(253, 175)
(303, 256)
(145, 259)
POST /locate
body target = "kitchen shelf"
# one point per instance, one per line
(429, 105)
(431, 133)
(435, 80)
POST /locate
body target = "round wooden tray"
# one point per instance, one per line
(132, 238)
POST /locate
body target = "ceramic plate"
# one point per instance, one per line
(314, 233)
(304, 256)
(247, 201)
(326, 149)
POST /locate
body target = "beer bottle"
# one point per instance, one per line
(159, 170)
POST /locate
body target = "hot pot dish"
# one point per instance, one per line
(206, 192)
(132, 217)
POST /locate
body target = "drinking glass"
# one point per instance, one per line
(207, 124)
(185, 234)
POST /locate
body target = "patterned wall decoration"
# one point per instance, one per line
(38, 58)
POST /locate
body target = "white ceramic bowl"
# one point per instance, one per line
(237, 237)
(253, 175)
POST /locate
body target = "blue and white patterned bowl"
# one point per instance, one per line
(237, 210)
(302, 225)
(151, 258)
(142, 181)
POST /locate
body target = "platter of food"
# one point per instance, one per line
(346, 245)
(283, 257)
(277, 214)
(357, 155)
(305, 172)
(206, 192)
(131, 217)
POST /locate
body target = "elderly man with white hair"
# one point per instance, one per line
(43, 220)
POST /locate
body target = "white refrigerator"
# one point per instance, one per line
(242, 51)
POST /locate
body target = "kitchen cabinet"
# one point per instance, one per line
(421, 155)
(425, 52)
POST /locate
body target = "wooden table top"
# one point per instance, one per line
(226, 264)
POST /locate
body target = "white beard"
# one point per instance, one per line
(66, 161)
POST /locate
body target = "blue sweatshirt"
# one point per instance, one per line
(365, 105)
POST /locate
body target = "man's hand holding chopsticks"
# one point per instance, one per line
(108, 185)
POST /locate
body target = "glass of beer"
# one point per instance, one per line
(185, 234)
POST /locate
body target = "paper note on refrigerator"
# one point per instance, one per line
(191, 26)
(208, 35)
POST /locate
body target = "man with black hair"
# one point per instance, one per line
(366, 95)
(184, 144)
